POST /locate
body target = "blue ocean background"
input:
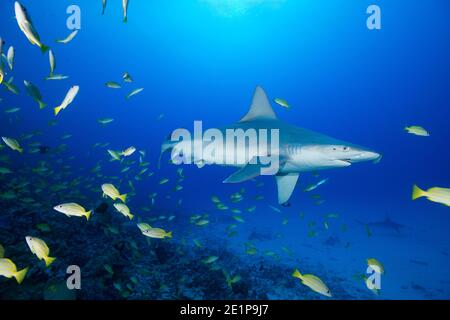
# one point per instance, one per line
(201, 60)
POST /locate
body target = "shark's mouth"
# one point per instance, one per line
(344, 162)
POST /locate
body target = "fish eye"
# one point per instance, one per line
(346, 148)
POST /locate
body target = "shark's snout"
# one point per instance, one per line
(364, 155)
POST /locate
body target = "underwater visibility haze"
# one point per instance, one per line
(91, 92)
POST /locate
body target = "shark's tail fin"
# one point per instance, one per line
(167, 145)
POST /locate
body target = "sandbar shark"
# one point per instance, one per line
(299, 150)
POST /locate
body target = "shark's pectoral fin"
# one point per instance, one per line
(252, 169)
(249, 171)
(286, 185)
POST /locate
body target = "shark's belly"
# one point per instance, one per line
(294, 167)
(230, 155)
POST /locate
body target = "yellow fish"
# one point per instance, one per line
(202, 222)
(13, 144)
(10, 57)
(123, 209)
(40, 249)
(144, 226)
(439, 195)
(73, 210)
(233, 280)
(111, 191)
(114, 154)
(313, 282)
(127, 77)
(281, 102)
(376, 265)
(128, 152)
(70, 96)
(9, 270)
(2, 75)
(69, 37)
(163, 181)
(157, 233)
(197, 243)
(125, 10)
(210, 259)
(418, 131)
(26, 25)
(134, 92)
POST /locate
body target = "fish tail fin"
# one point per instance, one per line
(20, 150)
(125, 20)
(57, 110)
(169, 234)
(123, 197)
(297, 274)
(44, 48)
(88, 214)
(20, 275)
(42, 105)
(131, 216)
(417, 192)
(49, 260)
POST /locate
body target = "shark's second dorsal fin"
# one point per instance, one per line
(260, 108)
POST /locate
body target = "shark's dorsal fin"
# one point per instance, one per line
(260, 108)
(286, 185)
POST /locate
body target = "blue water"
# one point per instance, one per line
(201, 60)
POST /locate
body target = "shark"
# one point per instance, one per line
(298, 151)
(386, 224)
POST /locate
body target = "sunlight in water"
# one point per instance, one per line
(232, 8)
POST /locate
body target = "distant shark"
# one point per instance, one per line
(386, 224)
(299, 150)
